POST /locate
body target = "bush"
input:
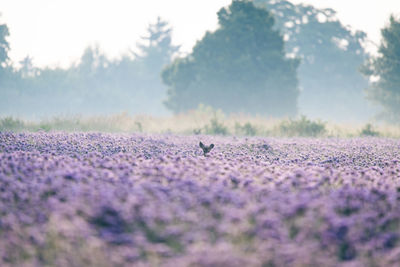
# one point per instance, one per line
(11, 124)
(197, 131)
(247, 129)
(215, 127)
(44, 126)
(368, 130)
(139, 126)
(302, 127)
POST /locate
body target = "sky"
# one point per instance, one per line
(56, 32)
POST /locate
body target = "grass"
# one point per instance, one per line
(203, 120)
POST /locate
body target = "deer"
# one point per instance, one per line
(206, 149)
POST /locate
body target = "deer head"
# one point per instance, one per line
(205, 148)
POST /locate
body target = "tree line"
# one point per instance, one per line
(266, 57)
(95, 85)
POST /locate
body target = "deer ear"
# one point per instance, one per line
(201, 145)
(211, 146)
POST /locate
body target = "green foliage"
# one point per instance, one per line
(95, 85)
(196, 123)
(197, 131)
(4, 46)
(368, 130)
(246, 129)
(241, 67)
(215, 128)
(139, 126)
(302, 127)
(5, 69)
(386, 67)
(11, 124)
(330, 53)
(44, 127)
(157, 50)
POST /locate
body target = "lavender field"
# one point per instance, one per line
(91, 199)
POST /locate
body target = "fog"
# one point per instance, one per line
(318, 75)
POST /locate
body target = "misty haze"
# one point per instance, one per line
(283, 62)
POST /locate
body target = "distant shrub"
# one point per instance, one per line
(368, 130)
(246, 129)
(302, 127)
(11, 124)
(44, 126)
(139, 126)
(197, 131)
(215, 127)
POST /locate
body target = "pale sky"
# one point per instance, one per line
(56, 32)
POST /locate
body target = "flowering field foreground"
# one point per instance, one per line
(88, 199)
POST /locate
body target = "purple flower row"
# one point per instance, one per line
(96, 199)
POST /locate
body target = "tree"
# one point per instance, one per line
(4, 46)
(385, 69)
(331, 54)
(155, 52)
(27, 68)
(241, 67)
(156, 49)
(8, 77)
(94, 85)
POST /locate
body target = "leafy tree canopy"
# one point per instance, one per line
(6, 72)
(4, 46)
(331, 54)
(241, 67)
(95, 84)
(156, 49)
(385, 69)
